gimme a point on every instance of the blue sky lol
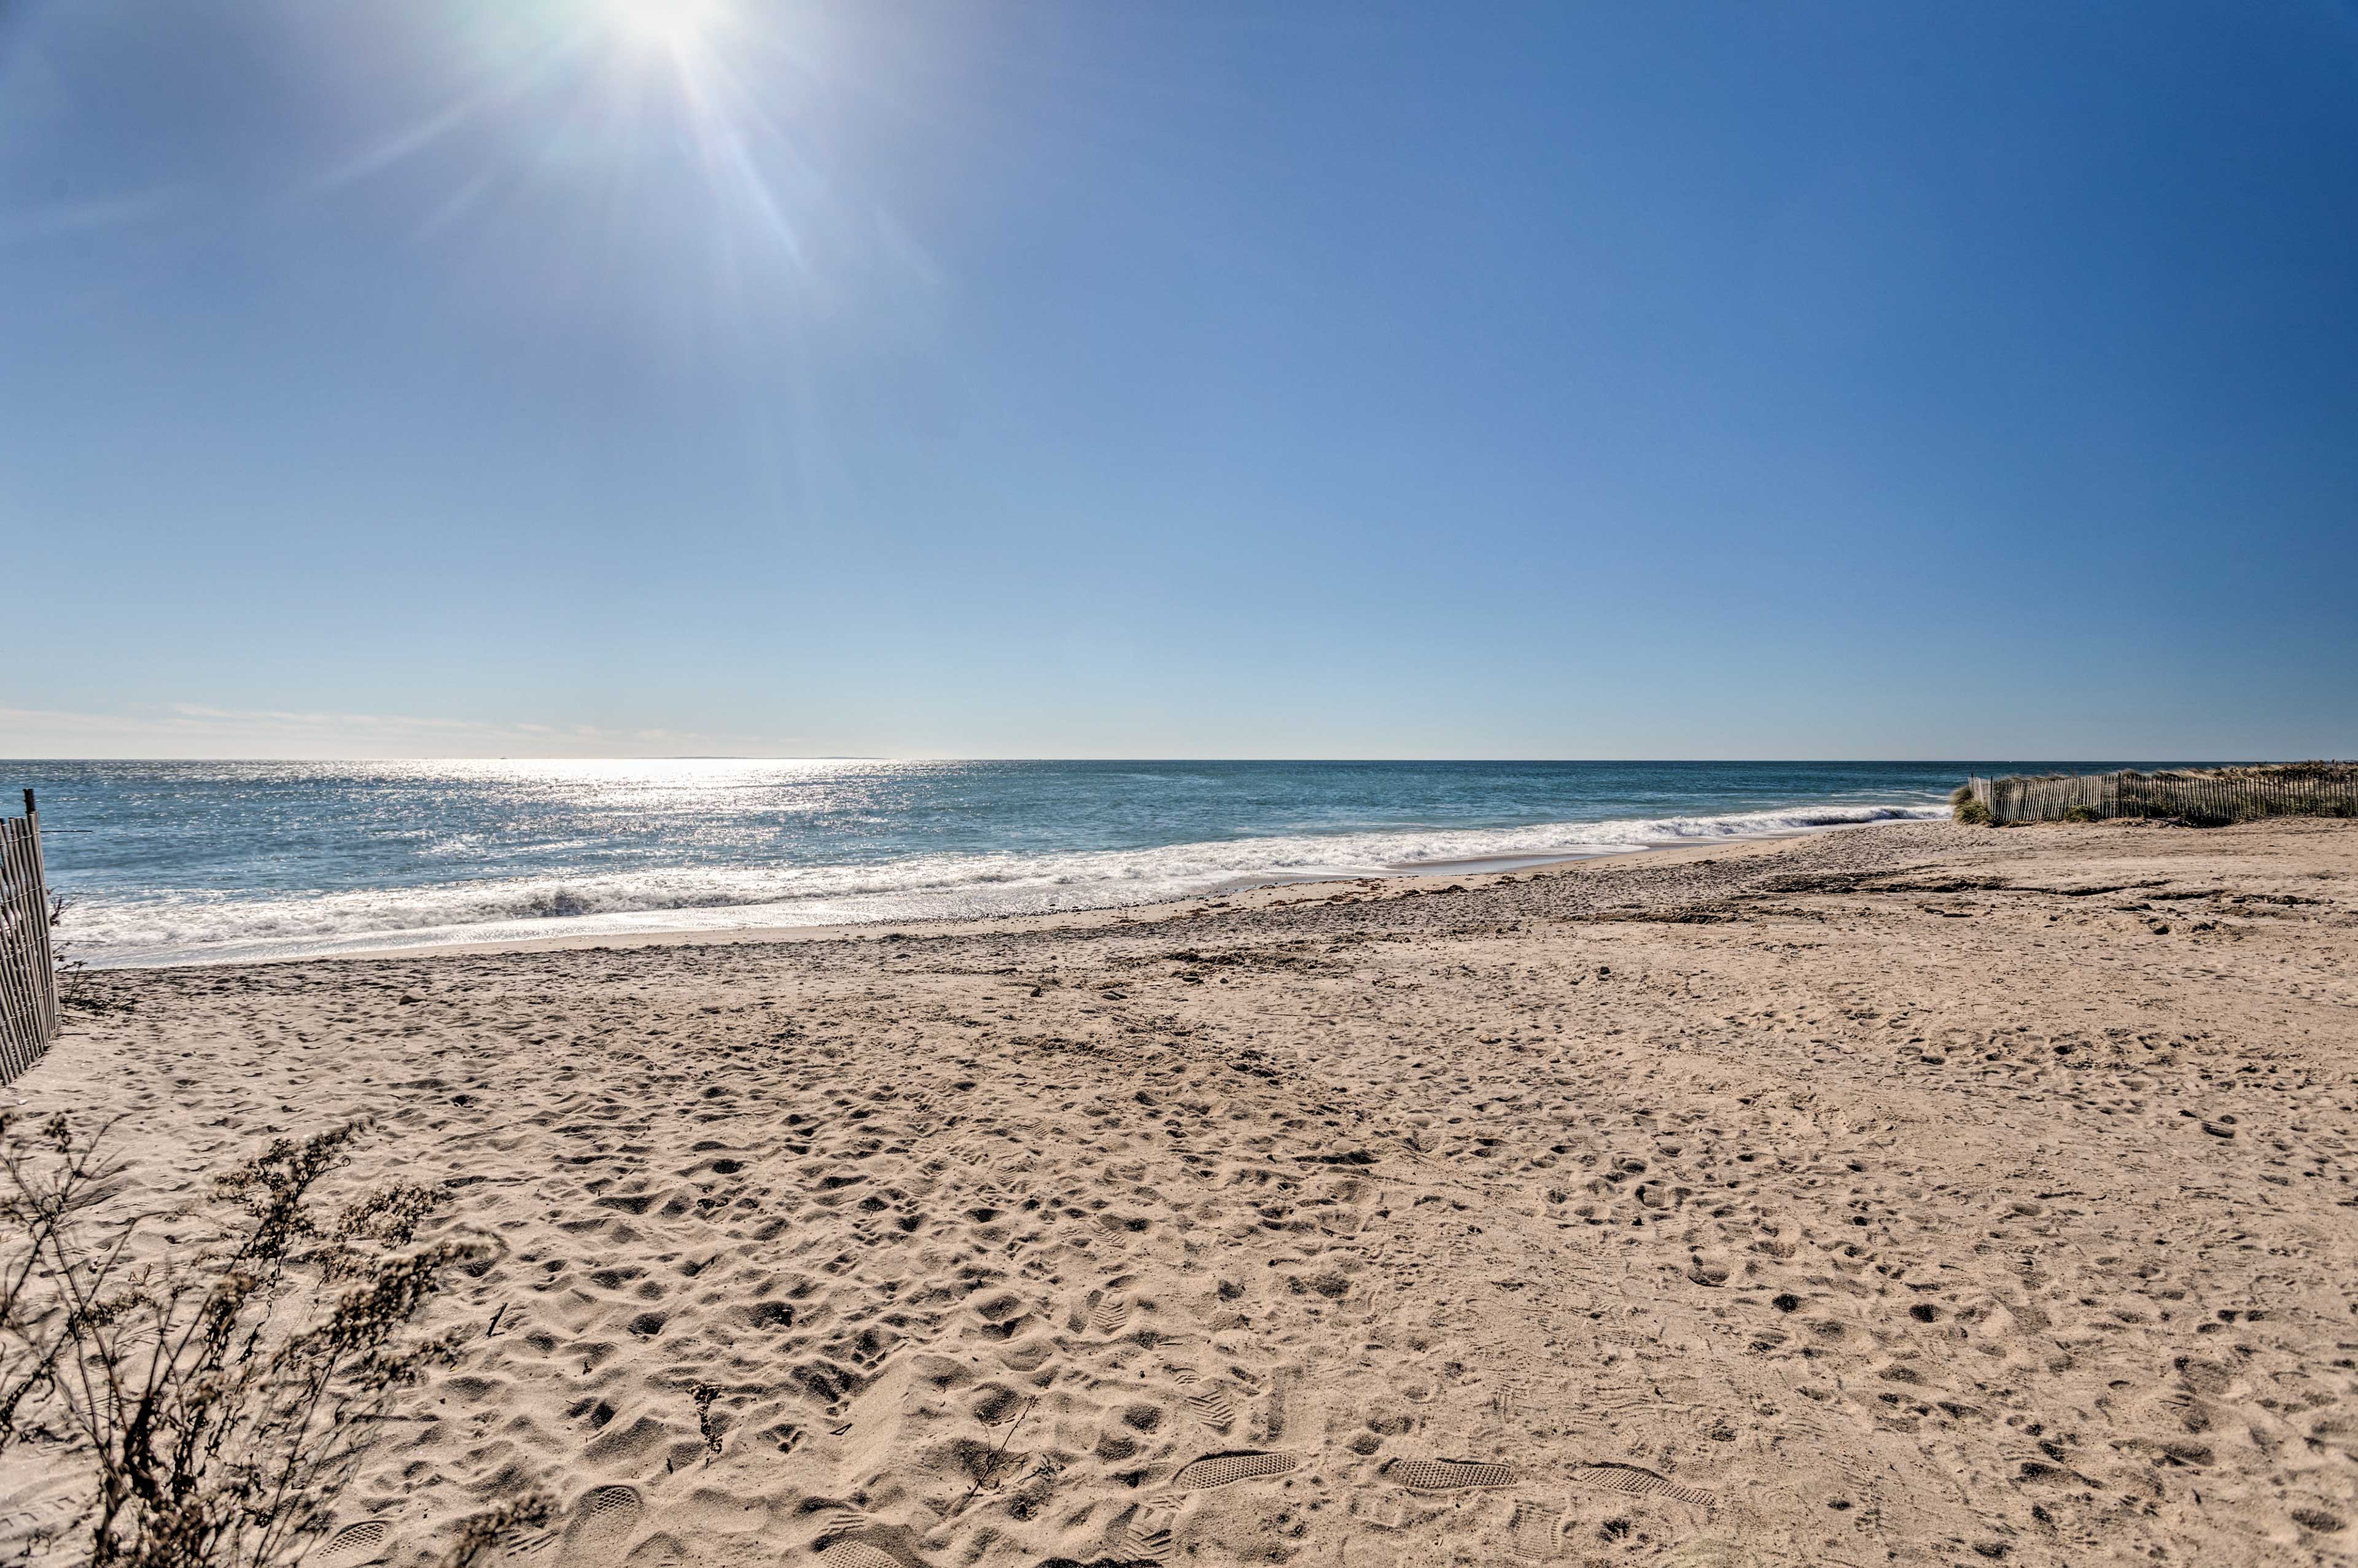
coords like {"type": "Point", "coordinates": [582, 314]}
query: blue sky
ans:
{"type": "Point", "coordinates": [411, 377]}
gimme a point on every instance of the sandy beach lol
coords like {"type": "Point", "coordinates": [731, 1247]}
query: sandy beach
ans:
{"type": "Point", "coordinates": [1905, 1194]}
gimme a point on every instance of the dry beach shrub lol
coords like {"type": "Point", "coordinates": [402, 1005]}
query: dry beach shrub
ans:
{"type": "Point", "coordinates": [223, 1396]}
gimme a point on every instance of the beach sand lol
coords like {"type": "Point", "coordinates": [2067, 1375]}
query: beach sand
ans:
{"type": "Point", "coordinates": [1909, 1193]}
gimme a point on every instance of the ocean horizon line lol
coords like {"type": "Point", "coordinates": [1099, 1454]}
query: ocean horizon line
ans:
{"type": "Point", "coordinates": [1438, 761]}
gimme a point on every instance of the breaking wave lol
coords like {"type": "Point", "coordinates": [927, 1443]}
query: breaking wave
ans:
{"type": "Point", "coordinates": [185, 927]}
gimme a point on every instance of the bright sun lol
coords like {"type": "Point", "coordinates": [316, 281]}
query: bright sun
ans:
{"type": "Point", "coordinates": [675, 25]}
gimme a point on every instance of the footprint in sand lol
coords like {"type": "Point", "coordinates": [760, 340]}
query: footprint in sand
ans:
{"type": "Point", "coordinates": [836, 1520]}
{"type": "Point", "coordinates": [1536, 1531]}
{"type": "Point", "coordinates": [603, 1524]}
{"type": "Point", "coordinates": [1709, 1269]}
{"type": "Point", "coordinates": [1224, 1469]}
{"type": "Point", "coordinates": [1281, 1411]}
{"type": "Point", "coordinates": [1145, 1535]}
{"type": "Point", "coordinates": [996, 1404]}
{"type": "Point", "coordinates": [1108, 1314]}
{"type": "Point", "coordinates": [1212, 1406]}
{"type": "Point", "coordinates": [858, 1554]}
{"type": "Point", "coordinates": [355, 1544]}
{"type": "Point", "coordinates": [1209, 1401]}
{"type": "Point", "coordinates": [1639, 1483]}
{"type": "Point", "coordinates": [1447, 1474]}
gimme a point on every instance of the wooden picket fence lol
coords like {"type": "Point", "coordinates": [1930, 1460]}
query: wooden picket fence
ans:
{"type": "Point", "coordinates": [28, 970]}
{"type": "Point", "coordinates": [2209, 798]}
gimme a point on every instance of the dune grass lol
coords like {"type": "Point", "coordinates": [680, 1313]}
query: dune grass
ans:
{"type": "Point", "coordinates": [221, 1391]}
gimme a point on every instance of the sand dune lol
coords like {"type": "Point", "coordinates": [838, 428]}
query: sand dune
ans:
{"type": "Point", "coordinates": [1912, 1194]}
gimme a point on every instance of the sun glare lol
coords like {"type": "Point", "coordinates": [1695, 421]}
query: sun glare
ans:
{"type": "Point", "coordinates": [678, 25]}
{"type": "Point", "coordinates": [643, 107]}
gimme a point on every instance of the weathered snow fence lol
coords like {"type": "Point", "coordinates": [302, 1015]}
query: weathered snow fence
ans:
{"type": "Point", "coordinates": [2209, 796]}
{"type": "Point", "coordinates": [28, 970]}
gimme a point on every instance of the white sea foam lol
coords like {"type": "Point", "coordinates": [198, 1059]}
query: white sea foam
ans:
{"type": "Point", "coordinates": [202, 928]}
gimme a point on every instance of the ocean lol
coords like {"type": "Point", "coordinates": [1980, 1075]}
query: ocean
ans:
{"type": "Point", "coordinates": [179, 861]}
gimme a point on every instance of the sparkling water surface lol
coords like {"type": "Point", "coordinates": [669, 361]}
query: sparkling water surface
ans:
{"type": "Point", "coordinates": [171, 862]}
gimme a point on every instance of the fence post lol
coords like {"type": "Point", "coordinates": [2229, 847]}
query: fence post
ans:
{"type": "Point", "coordinates": [29, 1018]}
{"type": "Point", "coordinates": [49, 958]}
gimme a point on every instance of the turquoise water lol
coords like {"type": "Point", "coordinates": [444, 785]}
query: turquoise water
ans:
{"type": "Point", "coordinates": [182, 861]}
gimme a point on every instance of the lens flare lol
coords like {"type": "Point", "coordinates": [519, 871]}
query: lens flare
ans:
{"type": "Point", "coordinates": [665, 167]}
